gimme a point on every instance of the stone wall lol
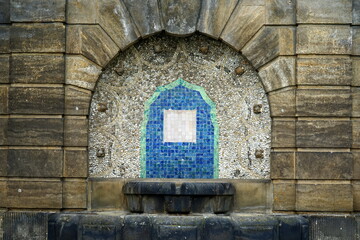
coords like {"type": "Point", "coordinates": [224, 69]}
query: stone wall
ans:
{"type": "Point", "coordinates": [306, 52]}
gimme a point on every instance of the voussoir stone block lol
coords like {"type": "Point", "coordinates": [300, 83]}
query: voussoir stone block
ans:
{"type": "Point", "coordinates": [180, 16]}
{"type": "Point", "coordinates": [282, 102]}
{"type": "Point", "coordinates": [244, 22]}
{"type": "Point", "coordinates": [31, 68]}
{"type": "Point", "coordinates": [81, 72]}
{"type": "Point", "coordinates": [282, 165]}
{"type": "Point", "coordinates": [356, 41]}
{"type": "Point", "coordinates": [146, 16]}
{"type": "Point", "coordinates": [77, 101]}
{"type": "Point", "coordinates": [284, 195]}
{"type": "Point", "coordinates": [5, 11]}
{"type": "Point", "coordinates": [283, 133]}
{"type": "Point", "coordinates": [4, 99]}
{"type": "Point", "coordinates": [92, 42]}
{"type": "Point", "coordinates": [323, 102]}
{"type": "Point", "coordinates": [279, 73]}
{"type": "Point", "coordinates": [4, 68]}
{"type": "Point", "coordinates": [324, 11]}
{"type": "Point", "coordinates": [324, 70]}
{"type": "Point", "coordinates": [324, 165]}
{"type": "Point", "coordinates": [280, 12]}
{"type": "Point", "coordinates": [323, 133]}
{"type": "Point", "coordinates": [35, 131]}
{"type": "Point", "coordinates": [324, 39]}
{"type": "Point", "coordinates": [36, 100]}
{"type": "Point", "coordinates": [37, 37]}
{"type": "Point", "coordinates": [4, 39]}
{"type": "Point", "coordinates": [214, 15]}
{"type": "Point", "coordinates": [76, 131]}
{"type": "Point", "coordinates": [74, 194]}
{"type": "Point", "coordinates": [37, 10]}
{"type": "Point", "coordinates": [319, 196]}
{"type": "Point", "coordinates": [82, 11]}
{"type": "Point", "coordinates": [116, 21]}
{"type": "Point", "coordinates": [75, 162]}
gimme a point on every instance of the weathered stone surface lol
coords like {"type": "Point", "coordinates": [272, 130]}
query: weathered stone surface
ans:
{"type": "Point", "coordinates": [75, 162]}
{"type": "Point", "coordinates": [116, 21]}
{"type": "Point", "coordinates": [34, 163]}
{"type": "Point", "coordinates": [323, 11]}
{"type": "Point", "coordinates": [214, 15]}
{"type": "Point", "coordinates": [36, 100]}
{"type": "Point", "coordinates": [355, 102]}
{"type": "Point", "coordinates": [244, 22]}
{"type": "Point", "coordinates": [324, 70]}
{"type": "Point", "coordinates": [283, 133]}
{"type": "Point", "coordinates": [324, 165]}
{"type": "Point", "coordinates": [37, 37]}
{"type": "Point", "coordinates": [284, 195]}
{"type": "Point", "coordinates": [92, 42]}
{"type": "Point", "coordinates": [356, 13]}
{"type": "Point", "coordinates": [3, 162]}
{"type": "Point", "coordinates": [280, 12]}
{"type": "Point", "coordinates": [4, 68]}
{"type": "Point", "coordinates": [37, 10]}
{"type": "Point", "coordinates": [81, 72]}
{"type": "Point", "coordinates": [74, 194]}
{"type": "Point", "coordinates": [33, 194]}
{"type": "Point", "coordinates": [356, 133]}
{"type": "Point", "coordinates": [269, 43]}
{"type": "Point", "coordinates": [323, 39]}
{"type": "Point", "coordinates": [27, 68]}
{"type": "Point", "coordinates": [82, 11]}
{"type": "Point", "coordinates": [4, 99]}
{"type": "Point", "coordinates": [332, 226]}
{"type": "Point", "coordinates": [323, 102]}
{"type": "Point", "coordinates": [3, 130]}
{"type": "Point", "coordinates": [77, 101]}
{"type": "Point", "coordinates": [76, 132]}
{"type": "Point", "coordinates": [282, 103]}
{"type": "Point", "coordinates": [323, 133]}
{"type": "Point", "coordinates": [356, 40]}
{"type": "Point", "coordinates": [4, 38]}
{"type": "Point", "coordinates": [319, 196]}
{"type": "Point", "coordinates": [356, 71]}
{"type": "Point", "coordinates": [5, 11]}
{"type": "Point", "coordinates": [282, 165]}
{"type": "Point", "coordinates": [180, 16]}
{"type": "Point", "coordinates": [356, 193]}
{"type": "Point", "coordinates": [3, 193]}
{"type": "Point", "coordinates": [146, 16]}
{"type": "Point", "coordinates": [356, 160]}
{"type": "Point", "coordinates": [35, 131]}
{"type": "Point", "coordinates": [100, 197]}
{"type": "Point", "coordinates": [279, 73]}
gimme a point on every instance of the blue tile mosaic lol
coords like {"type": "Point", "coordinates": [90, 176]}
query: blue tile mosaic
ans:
{"type": "Point", "coordinates": [179, 159]}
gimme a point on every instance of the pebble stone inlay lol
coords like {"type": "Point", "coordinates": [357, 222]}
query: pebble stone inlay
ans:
{"type": "Point", "coordinates": [118, 129]}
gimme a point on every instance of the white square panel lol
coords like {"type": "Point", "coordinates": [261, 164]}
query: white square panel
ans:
{"type": "Point", "coordinates": [179, 125]}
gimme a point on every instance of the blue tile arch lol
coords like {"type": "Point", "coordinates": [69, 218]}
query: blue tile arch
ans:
{"type": "Point", "coordinates": [161, 159]}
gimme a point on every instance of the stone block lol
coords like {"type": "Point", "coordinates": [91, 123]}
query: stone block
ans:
{"type": "Point", "coordinates": [4, 68]}
{"type": "Point", "coordinates": [5, 11]}
{"type": "Point", "coordinates": [333, 227]}
{"type": "Point", "coordinates": [92, 42]}
{"type": "Point", "coordinates": [324, 165]}
{"type": "Point", "coordinates": [82, 11]}
{"type": "Point", "coordinates": [146, 16]}
{"type": "Point", "coordinates": [282, 103]}
{"type": "Point", "coordinates": [37, 10]}
{"type": "Point", "coordinates": [4, 99]}
{"type": "Point", "coordinates": [34, 194]}
{"type": "Point", "coordinates": [356, 13]}
{"type": "Point", "coordinates": [355, 102]}
{"type": "Point", "coordinates": [35, 131]}
{"type": "Point", "coordinates": [356, 193]}
{"type": "Point", "coordinates": [283, 133]}
{"type": "Point", "coordinates": [77, 101]}
{"type": "Point", "coordinates": [356, 71]}
{"type": "Point", "coordinates": [356, 133]}
{"type": "Point", "coordinates": [4, 39]}
{"type": "Point", "coordinates": [76, 132]}
{"type": "Point", "coordinates": [180, 16]}
{"type": "Point", "coordinates": [324, 11]}
{"type": "Point", "coordinates": [37, 37]}
{"type": "Point", "coordinates": [269, 43]}
{"type": "Point", "coordinates": [356, 161]}
{"type": "Point", "coordinates": [36, 100]}
{"type": "Point", "coordinates": [324, 39]}
{"type": "Point", "coordinates": [135, 228]}
{"type": "Point", "coordinates": [214, 15]}
{"type": "Point", "coordinates": [280, 12]}
{"type": "Point", "coordinates": [324, 70]}
{"type": "Point", "coordinates": [3, 162]}
{"type": "Point", "coordinates": [323, 133]}
{"type": "Point", "coordinates": [279, 73]}
{"type": "Point", "coordinates": [30, 68]}
{"type": "Point", "coordinates": [284, 195]}
{"type": "Point", "coordinates": [107, 194]}
{"type": "Point", "coordinates": [324, 102]}
{"type": "Point", "coordinates": [356, 40]}
{"type": "Point", "coordinates": [282, 165]}
{"type": "Point", "coordinates": [115, 19]}
{"type": "Point", "coordinates": [34, 163]}
{"type": "Point", "coordinates": [245, 21]}
{"type": "Point", "coordinates": [81, 72]}
{"type": "Point", "coordinates": [3, 130]}
{"type": "Point", "coordinates": [324, 197]}
{"type": "Point", "coordinates": [75, 162]}
{"type": "Point", "coordinates": [74, 194]}
{"type": "Point", "coordinates": [3, 202]}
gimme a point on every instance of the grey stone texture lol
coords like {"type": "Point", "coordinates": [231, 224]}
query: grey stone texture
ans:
{"type": "Point", "coordinates": [356, 41]}
{"type": "Point", "coordinates": [4, 99]}
{"type": "Point", "coordinates": [356, 71]}
{"type": "Point", "coordinates": [4, 39]}
{"type": "Point", "coordinates": [37, 10]}
{"type": "Point", "coordinates": [355, 101]}
{"type": "Point", "coordinates": [356, 133]}
{"type": "Point", "coordinates": [280, 12]}
{"type": "Point", "coordinates": [356, 12]}
{"type": "Point", "coordinates": [4, 68]}
{"type": "Point", "coordinates": [5, 11]}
